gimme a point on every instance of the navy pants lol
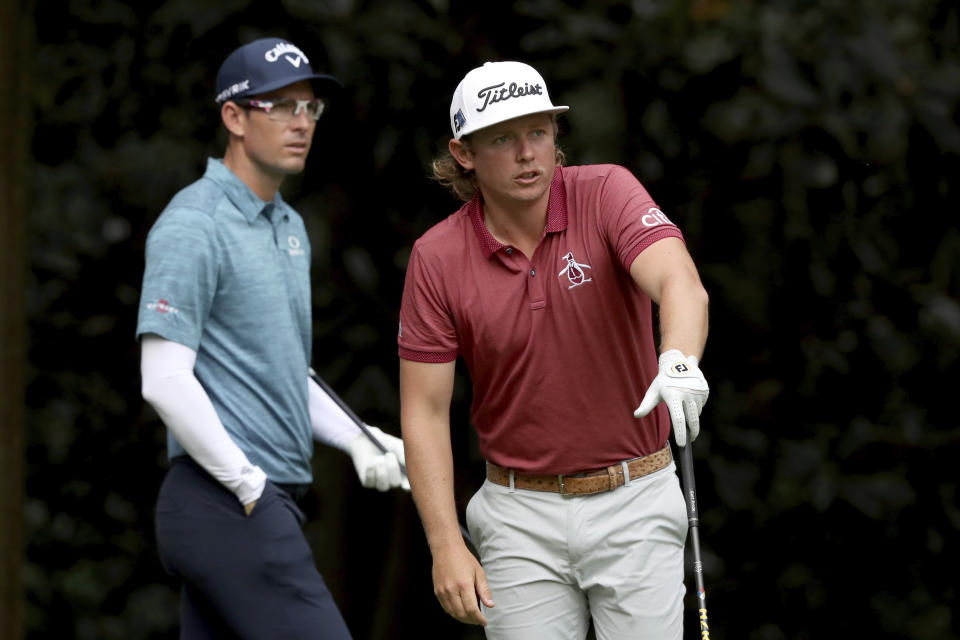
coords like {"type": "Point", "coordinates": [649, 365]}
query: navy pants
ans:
{"type": "Point", "coordinates": [243, 576]}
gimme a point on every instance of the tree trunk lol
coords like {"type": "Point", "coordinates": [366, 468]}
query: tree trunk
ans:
{"type": "Point", "coordinates": [15, 58]}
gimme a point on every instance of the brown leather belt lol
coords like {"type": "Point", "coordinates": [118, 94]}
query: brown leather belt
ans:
{"type": "Point", "coordinates": [585, 482]}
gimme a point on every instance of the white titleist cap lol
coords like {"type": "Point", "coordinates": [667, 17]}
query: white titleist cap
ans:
{"type": "Point", "coordinates": [495, 92]}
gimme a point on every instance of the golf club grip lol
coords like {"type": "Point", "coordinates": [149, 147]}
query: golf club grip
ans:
{"type": "Point", "coordinates": [693, 517]}
{"type": "Point", "coordinates": [352, 415]}
{"type": "Point", "coordinates": [689, 485]}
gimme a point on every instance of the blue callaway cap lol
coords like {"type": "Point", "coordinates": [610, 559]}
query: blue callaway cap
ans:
{"type": "Point", "coordinates": [264, 65]}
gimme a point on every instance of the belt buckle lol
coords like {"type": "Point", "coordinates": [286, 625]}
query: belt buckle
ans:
{"type": "Point", "coordinates": [563, 486]}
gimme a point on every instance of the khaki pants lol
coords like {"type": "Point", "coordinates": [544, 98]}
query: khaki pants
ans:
{"type": "Point", "coordinates": [552, 562]}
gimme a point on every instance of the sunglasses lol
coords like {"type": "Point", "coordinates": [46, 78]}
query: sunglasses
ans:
{"type": "Point", "coordinates": [286, 108]}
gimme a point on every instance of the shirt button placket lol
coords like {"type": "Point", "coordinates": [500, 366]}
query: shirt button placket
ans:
{"type": "Point", "coordinates": [535, 291]}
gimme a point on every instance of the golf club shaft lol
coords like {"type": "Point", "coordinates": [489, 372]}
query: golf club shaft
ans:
{"type": "Point", "coordinates": [379, 445]}
{"type": "Point", "coordinates": [693, 517]}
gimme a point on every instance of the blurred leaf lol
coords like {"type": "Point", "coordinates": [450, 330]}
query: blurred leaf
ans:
{"type": "Point", "coordinates": [880, 496]}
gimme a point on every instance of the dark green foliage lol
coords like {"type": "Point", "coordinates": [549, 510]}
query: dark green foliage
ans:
{"type": "Point", "coordinates": [809, 151]}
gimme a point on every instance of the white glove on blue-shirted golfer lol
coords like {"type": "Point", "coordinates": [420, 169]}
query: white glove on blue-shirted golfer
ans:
{"type": "Point", "coordinates": [374, 468]}
{"type": "Point", "coordinates": [682, 386]}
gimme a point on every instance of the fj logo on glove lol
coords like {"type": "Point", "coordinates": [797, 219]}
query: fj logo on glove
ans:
{"type": "Point", "coordinates": [575, 271]}
{"type": "Point", "coordinates": [680, 367]}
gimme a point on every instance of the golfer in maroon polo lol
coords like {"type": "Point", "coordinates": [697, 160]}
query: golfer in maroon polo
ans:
{"type": "Point", "coordinates": [543, 281]}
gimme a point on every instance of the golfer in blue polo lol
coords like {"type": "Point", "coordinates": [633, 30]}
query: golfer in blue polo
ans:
{"type": "Point", "coordinates": [225, 330]}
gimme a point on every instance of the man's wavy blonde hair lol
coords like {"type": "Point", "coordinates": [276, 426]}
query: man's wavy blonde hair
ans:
{"type": "Point", "coordinates": [463, 183]}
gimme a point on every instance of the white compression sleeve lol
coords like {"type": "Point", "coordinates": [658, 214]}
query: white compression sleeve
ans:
{"type": "Point", "coordinates": [172, 389]}
{"type": "Point", "coordinates": [331, 425]}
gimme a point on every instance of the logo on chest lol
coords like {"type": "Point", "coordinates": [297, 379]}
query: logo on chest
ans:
{"type": "Point", "coordinates": [574, 271]}
{"type": "Point", "coordinates": [294, 243]}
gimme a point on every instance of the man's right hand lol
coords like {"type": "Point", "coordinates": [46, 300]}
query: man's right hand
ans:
{"type": "Point", "coordinates": [458, 581]}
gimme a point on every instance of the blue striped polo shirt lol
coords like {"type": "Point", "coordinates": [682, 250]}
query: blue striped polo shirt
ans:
{"type": "Point", "coordinates": [228, 275]}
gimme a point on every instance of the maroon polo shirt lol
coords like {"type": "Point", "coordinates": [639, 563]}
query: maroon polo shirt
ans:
{"type": "Point", "coordinates": [560, 348]}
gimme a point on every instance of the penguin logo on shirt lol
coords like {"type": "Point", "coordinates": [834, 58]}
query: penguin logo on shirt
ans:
{"type": "Point", "coordinates": [575, 271]}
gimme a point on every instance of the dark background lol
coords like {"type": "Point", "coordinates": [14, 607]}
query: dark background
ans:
{"type": "Point", "coordinates": [808, 150]}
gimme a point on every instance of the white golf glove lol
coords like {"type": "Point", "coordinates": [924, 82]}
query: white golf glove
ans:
{"type": "Point", "coordinates": [682, 386]}
{"type": "Point", "coordinates": [374, 468]}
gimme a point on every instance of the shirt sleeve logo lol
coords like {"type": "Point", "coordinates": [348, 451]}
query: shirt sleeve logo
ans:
{"type": "Point", "coordinates": [654, 217]}
{"type": "Point", "coordinates": [162, 306]}
{"type": "Point", "coordinates": [575, 271]}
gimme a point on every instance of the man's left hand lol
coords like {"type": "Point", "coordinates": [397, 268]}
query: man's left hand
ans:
{"type": "Point", "coordinates": [682, 386]}
{"type": "Point", "coordinates": [377, 469]}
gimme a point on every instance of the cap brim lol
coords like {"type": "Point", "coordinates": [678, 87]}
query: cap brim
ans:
{"type": "Point", "coordinates": [556, 110]}
{"type": "Point", "coordinates": [323, 85]}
